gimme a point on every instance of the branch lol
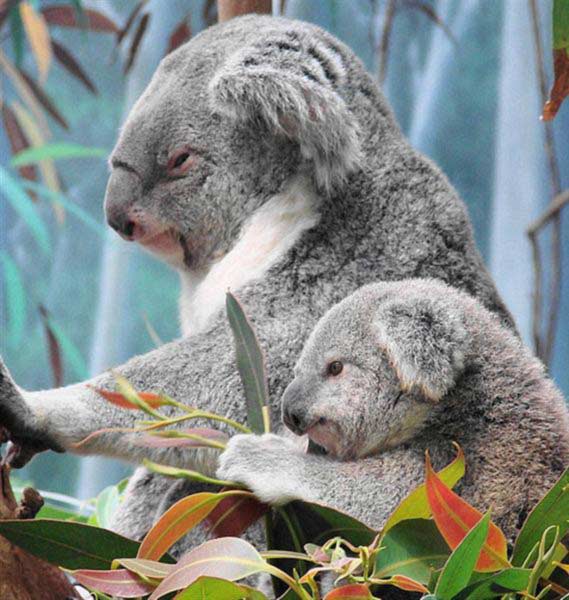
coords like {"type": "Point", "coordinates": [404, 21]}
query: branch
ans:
{"type": "Point", "coordinates": [552, 211]}
{"type": "Point", "coordinates": [544, 350]}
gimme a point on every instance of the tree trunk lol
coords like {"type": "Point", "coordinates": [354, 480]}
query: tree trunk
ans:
{"type": "Point", "coordinates": [227, 9]}
{"type": "Point", "coordinates": [23, 576]}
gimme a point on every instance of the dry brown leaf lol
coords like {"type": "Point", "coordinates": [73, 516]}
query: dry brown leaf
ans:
{"type": "Point", "coordinates": [66, 16]}
{"type": "Point", "coordinates": [182, 33]}
{"type": "Point", "coordinates": [18, 141]}
{"type": "Point", "coordinates": [53, 349]}
{"type": "Point", "coordinates": [133, 50]}
{"type": "Point", "coordinates": [68, 61]}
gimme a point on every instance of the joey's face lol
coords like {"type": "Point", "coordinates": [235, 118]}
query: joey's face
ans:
{"type": "Point", "coordinates": [346, 397]}
{"type": "Point", "coordinates": [183, 178]}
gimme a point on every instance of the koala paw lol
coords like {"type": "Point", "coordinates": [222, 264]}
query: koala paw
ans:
{"type": "Point", "coordinates": [18, 425]}
{"type": "Point", "coordinates": [269, 465]}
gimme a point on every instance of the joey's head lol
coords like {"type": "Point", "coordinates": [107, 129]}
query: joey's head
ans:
{"type": "Point", "coordinates": [228, 121]}
{"type": "Point", "coordinates": [377, 367]}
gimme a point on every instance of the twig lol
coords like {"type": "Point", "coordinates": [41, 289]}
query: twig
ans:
{"type": "Point", "coordinates": [552, 211]}
{"type": "Point", "coordinates": [545, 349]}
{"type": "Point", "coordinates": [385, 35]}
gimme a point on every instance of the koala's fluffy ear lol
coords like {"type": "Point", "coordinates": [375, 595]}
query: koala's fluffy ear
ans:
{"type": "Point", "coordinates": [426, 343]}
{"type": "Point", "coordinates": [292, 89]}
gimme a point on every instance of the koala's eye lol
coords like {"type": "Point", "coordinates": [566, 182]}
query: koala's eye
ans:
{"type": "Point", "coordinates": [335, 368]}
{"type": "Point", "coordinates": [179, 163]}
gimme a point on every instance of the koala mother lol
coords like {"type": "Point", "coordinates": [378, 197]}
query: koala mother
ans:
{"type": "Point", "coordinates": [261, 158]}
{"type": "Point", "coordinates": [395, 369]}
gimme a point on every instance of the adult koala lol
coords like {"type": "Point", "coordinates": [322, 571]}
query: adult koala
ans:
{"type": "Point", "coordinates": [395, 369]}
{"type": "Point", "coordinates": [261, 158]}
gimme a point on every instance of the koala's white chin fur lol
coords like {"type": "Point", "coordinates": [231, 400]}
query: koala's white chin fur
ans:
{"type": "Point", "coordinates": [265, 238]}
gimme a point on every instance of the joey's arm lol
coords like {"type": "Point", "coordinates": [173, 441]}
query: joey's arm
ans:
{"type": "Point", "coordinates": [278, 471]}
{"type": "Point", "coordinates": [199, 371]}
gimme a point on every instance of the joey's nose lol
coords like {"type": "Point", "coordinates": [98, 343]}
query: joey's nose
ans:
{"type": "Point", "coordinates": [295, 409]}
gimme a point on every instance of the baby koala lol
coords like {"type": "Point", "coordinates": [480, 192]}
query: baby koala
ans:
{"type": "Point", "coordinates": [393, 370]}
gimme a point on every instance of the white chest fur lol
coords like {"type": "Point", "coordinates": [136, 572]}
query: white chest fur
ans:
{"type": "Point", "coordinates": [265, 238]}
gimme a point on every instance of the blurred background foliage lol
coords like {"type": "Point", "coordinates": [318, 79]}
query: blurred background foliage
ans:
{"type": "Point", "coordinates": [75, 299]}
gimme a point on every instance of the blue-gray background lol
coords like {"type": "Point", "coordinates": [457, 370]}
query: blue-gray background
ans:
{"type": "Point", "coordinates": [471, 105]}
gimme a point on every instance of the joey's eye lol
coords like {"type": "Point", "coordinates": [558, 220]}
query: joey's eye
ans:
{"type": "Point", "coordinates": [335, 368]}
{"type": "Point", "coordinates": [179, 163]}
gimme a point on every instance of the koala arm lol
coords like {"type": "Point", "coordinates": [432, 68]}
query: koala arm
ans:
{"type": "Point", "coordinates": [277, 471]}
{"type": "Point", "coordinates": [61, 417]}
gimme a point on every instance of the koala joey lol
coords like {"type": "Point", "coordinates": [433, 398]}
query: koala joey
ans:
{"type": "Point", "coordinates": [398, 368]}
{"type": "Point", "coordinates": [261, 158]}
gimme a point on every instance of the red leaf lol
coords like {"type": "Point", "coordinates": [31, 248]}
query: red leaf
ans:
{"type": "Point", "coordinates": [354, 591]}
{"type": "Point", "coordinates": [43, 99]}
{"type": "Point", "coordinates": [181, 34]}
{"type": "Point", "coordinates": [133, 50]}
{"type": "Point", "coordinates": [18, 140]}
{"type": "Point", "coordinates": [455, 518]}
{"type": "Point", "coordinates": [162, 439]}
{"type": "Point", "coordinates": [234, 515]}
{"type": "Point", "coordinates": [66, 16]}
{"type": "Point", "coordinates": [560, 89]}
{"type": "Point", "coordinates": [116, 398]}
{"type": "Point", "coordinates": [53, 349]}
{"type": "Point", "coordinates": [118, 582]}
{"type": "Point", "coordinates": [69, 62]}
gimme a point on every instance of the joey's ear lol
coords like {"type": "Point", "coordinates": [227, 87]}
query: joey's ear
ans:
{"type": "Point", "coordinates": [426, 343]}
{"type": "Point", "coordinates": [292, 89]}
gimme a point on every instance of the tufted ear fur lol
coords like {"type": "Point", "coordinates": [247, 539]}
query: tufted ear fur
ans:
{"type": "Point", "coordinates": [426, 343]}
{"type": "Point", "coordinates": [291, 86]}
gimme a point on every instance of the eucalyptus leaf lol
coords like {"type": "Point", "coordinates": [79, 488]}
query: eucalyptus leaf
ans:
{"type": "Point", "coordinates": [509, 580]}
{"type": "Point", "coordinates": [414, 548]}
{"type": "Point", "coordinates": [68, 544]}
{"type": "Point", "coordinates": [460, 564]}
{"type": "Point", "coordinates": [553, 509]}
{"type": "Point", "coordinates": [211, 588]}
{"type": "Point", "coordinates": [23, 205]}
{"type": "Point", "coordinates": [71, 353]}
{"type": "Point", "coordinates": [250, 363]}
{"type": "Point", "coordinates": [35, 154]}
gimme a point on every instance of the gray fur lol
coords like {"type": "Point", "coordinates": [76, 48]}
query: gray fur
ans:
{"type": "Point", "coordinates": [379, 415]}
{"type": "Point", "coordinates": [263, 105]}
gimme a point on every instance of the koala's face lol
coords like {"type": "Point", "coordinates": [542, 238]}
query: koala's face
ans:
{"type": "Point", "coordinates": [183, 177]}
{"type": "Point", "coordinates": [346, 396]}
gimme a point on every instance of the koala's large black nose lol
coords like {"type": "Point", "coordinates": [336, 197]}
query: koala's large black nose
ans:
{"type": "Point", "coordinates": [295, 409]}
{"type": "Point", "coordinates": [122, 224]}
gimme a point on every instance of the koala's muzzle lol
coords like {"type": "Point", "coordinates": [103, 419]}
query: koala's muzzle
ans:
{"type": "Point", "coordinates": [122, 192]}
{"type": "Point", "coordinates": [295, 413]}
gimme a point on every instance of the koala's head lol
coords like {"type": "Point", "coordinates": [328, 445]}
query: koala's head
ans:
{"type": "Point", "coordinates": [228, 121]}
{"type": "Point", "coordinates": [377, 366]}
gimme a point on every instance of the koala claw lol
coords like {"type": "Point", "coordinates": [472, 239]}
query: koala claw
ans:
{"type": "Point", "coordinates": [18, 425]}
{"type": "Point", "coordinates": [266, 464]}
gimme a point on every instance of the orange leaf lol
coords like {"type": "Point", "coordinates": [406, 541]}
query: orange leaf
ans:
{"type": "Point", "coordinates": [38, 37]}
{"type": "Point", "coordinates": [455, 518]}
{"type": "Point", "coordinates": [116, 398]}
{"type": "Point", "coordinates": [355, 591]}
{"type": "Point", "coordinates": [560, 89]}
{"type": "Point", "coordinates": [179, 519]}
{"type": "Point", "coordinates": [407, 584]}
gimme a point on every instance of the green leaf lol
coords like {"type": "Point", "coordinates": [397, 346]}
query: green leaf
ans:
{"type": "Point", "coordinates": [509, 580]}
{"type": "Point", "coordinates": [71, 207]}
{"type": "Point", "coordinates": [67, 544]}
{"type": "Point", "coordinates": [553, 509]}
{"type": "Point", "coordinates": [211, 588]}
{"type": "Point", "coordinates": [416, 505]}
{"type": "Point", "coordinates": [560, 24]}
{"type": "Point", "coordinates": [23, 205]}
{"type": "Point", "coordinates": [48, 511]}
{"type": "Point", "coordinates": [17, 34]}
{"type": "Point", "coordinates": [36, 154]}
{"type": "Point", "coordinates": [106, 506]}
{"type": "Point", "coordinates": [414, 548]}
{"type": "Point", "coordinates": [71, 353]}
{"type": "Point", "coordinates": [250, 363]}
{"type": "Point", "coordinates": [15, 300]}
{"type": "Point", "coordinates": [460, 564]}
